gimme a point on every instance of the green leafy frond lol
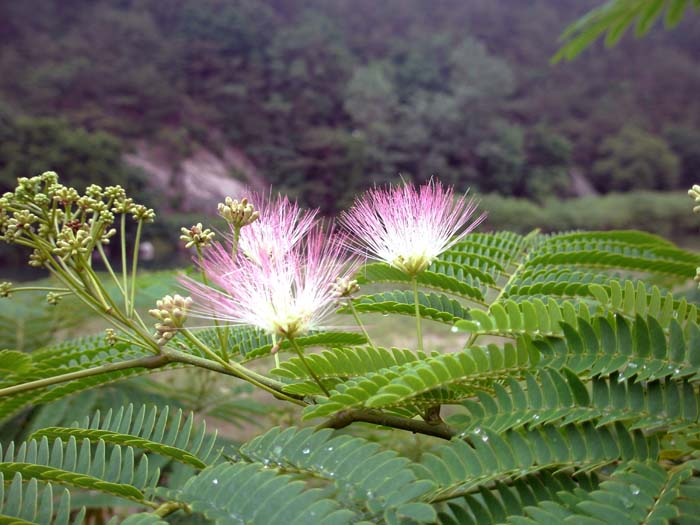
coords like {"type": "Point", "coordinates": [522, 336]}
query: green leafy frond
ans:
{"type": "Point", "coordinates": [482, 263]}
{"type": "Point", "coordinates": [615, 255]}
{"type": "Point", "coordinates": [252, 494]}
{"type": "Point", "coordinates": [346, 362]}
{"type": "Point", "coordinates": [322, 339]}
{"type": "Point", "coordinates": [636, 349]}
{"type": "Point", "coordinates": [551, 397]}
{"type": "Point", "coordinates": [688, 498]}
{"type": "Point", "coordinates": [501, 248]}
{"type": "Point", "coordinates": [460, 467]}
{"type": "Point", "coordinates": [632, 300]}
{"type": "Point", "coordinates": [70, 356]}
{"type": "Point", "coordinates": [508, 243]}
{"type": "Point", "coordinates": [252, 343]}
{"type": "Point", "coordinates": [151, 429]}
{"type": "Point", "coordinates": [613, 18]}
{"type": "Point", "coordinates": [636, 493]}
{"type": "Point", "coordinates": [554, 281]}
{"type": "Point", "coordinates": [631, 237]}
{"type": "Point", "coordinates": [437, 307]}
{"type": "Point", "coordinates": [365, 477]}
{"type": "Point", "coordinates": [143, 518]}
{"type": "Point", "coordinates": [494, 506]}
{"type": "Point", "coordinates": [14, 362]}
{"type": "Point", "coordinates": [452, 278]}
{"type": "Point", "coordinates": [412, 383]}
{"type": "Point", "coordinates": [12, 404]}
{"type": "Point", "coordinates": [28, 504]}
{"type": "Point", "coordinates": [67, 463]}
{"type": "Point", "coordinates": [512, 319]}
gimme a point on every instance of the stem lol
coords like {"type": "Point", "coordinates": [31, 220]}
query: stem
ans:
{"type": "Point", "coordinates": [234, 247]}
{"type": "Point", "coordinates": [39, 289]}
{"type": "Point", "coordinates": [134, 264]}
{"type": "Point", "coordinates": [125, 284]}
{"type": "Point", "coordinates": [233, 368]}
{"type": "Point", "coordinates": [153, 361]}
{"type": "Point", "coordinates": [345, 418]}
{"type": "Point", "coordinates": [419, 330]}
{"type": "Point", "coordinates": [110, 270]}
{"type": "Point", "coordinates": [359, 323]}
{"type": "Point", "coordinates": [299, 352]}
{"type": "Point", "coordinates": [219, 333]}
{"type": "Point", "coordinates": [170, 507]}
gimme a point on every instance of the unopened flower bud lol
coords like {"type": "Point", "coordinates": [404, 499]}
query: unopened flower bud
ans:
{"type": "Point", "coordinates": [52, 298]}
{"type": "Point", "coordinates": [140, 213]}
{"type": "Point", "coordinates": [110, 336]}
{"type": "Point", "coordinates": [345, 287]}
{"type": "Point", "coordinates": [171, 311]}
{"type": "Point", "coordinates": [5, 289]}
{"type": "Point", "coordinates": [197, 236]}
{"type": "Point", "coordinates": [238, 214]}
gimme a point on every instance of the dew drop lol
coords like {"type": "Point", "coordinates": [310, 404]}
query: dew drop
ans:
{"type": "Point", "coordinates": [484, 438]}
{"type": "Point", "coordinates": [627, 503]}
{"type": "Point", "coordinates": [329, 449]}
{"type": "Point", "coordinates": [632, 365]}
{"type": "Point", "coordinates": [215, 482]}
{"type": "Point", "coordinates": [277, 450]}
{"type": "Point", "coordinates": [370, 494]}
{"type": "Point", "coordinates": [635, 490]}
{"type": "Point", "coordinates": [306, 451]}
{"type": "Point", "coordinates": [385, 315]}
{"type": "Point", "coordinates": [677, 371]}
{"type": "Point", "coordinates": [454, 329]}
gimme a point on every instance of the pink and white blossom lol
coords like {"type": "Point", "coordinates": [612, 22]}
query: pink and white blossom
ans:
{"type": "Point", "coordinates": [280, 226]}
{"type": "Point", "coordinates": [408, 227]}
{"type": "Point", "coordinates": [285, 293]}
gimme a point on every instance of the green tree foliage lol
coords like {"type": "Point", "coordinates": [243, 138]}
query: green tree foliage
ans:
{"type": "Point", "coordinates": [634, 159]}
{"type": "Point", "coordinates": [324, 106]}
{"type": "Point", "coordinates": [685, 143]}
{"type": "Point", "coordinates": [30, 145]}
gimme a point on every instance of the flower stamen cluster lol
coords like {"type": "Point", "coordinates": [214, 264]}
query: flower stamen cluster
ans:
{"type": "Point", "coordinates": [409, 227]}
{"type": "Point", "coordinates": [282, 278]}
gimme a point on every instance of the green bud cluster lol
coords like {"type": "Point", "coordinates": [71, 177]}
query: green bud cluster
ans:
{"type": "Point", "coordinates": [171, 311]}
{"type": "Point", "coordinates": [52, 298]}
{"type": "Point", "coordinates": [196, 235]}
{"type": "Point", "coordinates": [5, 289]}
{"type": "Point", "coordinates": [694, 192]}
{"type": "Point", "coordinates": [57, 221]}
{"type": "Point", "coordinates": [238, 214]}
{"type": "Point", "coordinates": [111, 336]}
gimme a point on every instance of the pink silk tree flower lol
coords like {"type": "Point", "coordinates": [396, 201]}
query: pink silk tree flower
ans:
{"type": "Point", "coordinates": [284, 294]}
{"type": "Point", "coordinates": [408, 227]}
{"type": "Point", "coordinates": [281, 225]}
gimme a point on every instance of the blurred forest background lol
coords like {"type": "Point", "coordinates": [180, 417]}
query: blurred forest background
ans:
{"type": "Point", "coordinates": [183, 100]}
